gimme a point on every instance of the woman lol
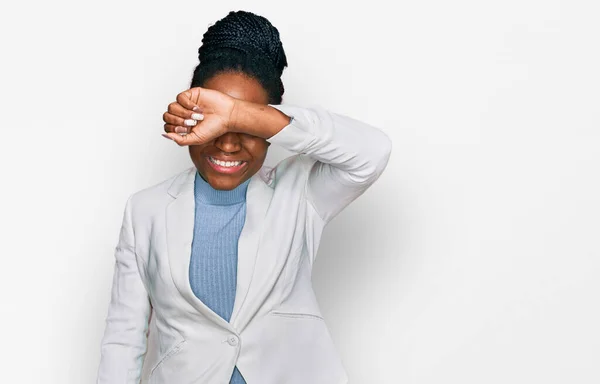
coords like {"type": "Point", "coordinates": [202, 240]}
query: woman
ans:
{"type": "Point", "coordinates": [219, 256]}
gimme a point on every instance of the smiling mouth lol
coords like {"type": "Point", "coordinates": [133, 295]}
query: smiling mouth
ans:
{"type": "Point", "coordinates": [226, 167]}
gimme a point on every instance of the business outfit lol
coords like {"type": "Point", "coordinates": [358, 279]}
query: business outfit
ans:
{"type": "Point", "coordinates": [218, 223]}
{"type": "Point", "coordinates": [276, 333]}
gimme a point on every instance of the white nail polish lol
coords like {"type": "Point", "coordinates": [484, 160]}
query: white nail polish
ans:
{"type": "Point", "coordinates": [197, 116]}
{"type": "Point", "coordinates": [190, 122]}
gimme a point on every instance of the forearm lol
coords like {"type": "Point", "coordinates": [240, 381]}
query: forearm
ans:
{"type": "Point", "coordinates": [350, 155]}
{"type": "Point", "coordinates": [257, 119]}
{"type": "Point", "coordinates": [356, 148]}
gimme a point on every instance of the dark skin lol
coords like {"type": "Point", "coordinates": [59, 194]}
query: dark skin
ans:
{"type": "Point", "coordinates": [217, 135]}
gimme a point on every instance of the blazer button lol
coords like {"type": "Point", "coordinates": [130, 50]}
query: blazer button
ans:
{"type": "Point", "coordinates": [232, 340]}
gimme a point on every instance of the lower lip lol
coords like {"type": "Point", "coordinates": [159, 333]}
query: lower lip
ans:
{"type": "Point", "coordinates": [221, 169]}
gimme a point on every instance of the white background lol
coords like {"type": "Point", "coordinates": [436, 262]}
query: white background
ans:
{"type": "Point", "coordinates": [473, 259]}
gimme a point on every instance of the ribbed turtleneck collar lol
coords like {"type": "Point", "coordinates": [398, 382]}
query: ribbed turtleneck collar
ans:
{"type": "Point", "coordinates": [206, 194]}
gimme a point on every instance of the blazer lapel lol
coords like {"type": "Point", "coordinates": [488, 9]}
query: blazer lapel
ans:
{"type": "Point", "coordinates": [180, 231]}
{"type": "Point", "coordinates": [258, 198]}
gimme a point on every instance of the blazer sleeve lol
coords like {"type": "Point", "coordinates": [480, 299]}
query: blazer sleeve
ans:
{"type": "Point", "coordinates": [350, 155]}
{"type": "Point", "coordinates": [124, 342]}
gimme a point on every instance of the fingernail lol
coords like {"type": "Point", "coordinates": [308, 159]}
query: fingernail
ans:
{"type": "Point", "coordinates": [166, 136]}
{"type": "Point", "coordinates": [196, 108]}
{"type": "Point", "coordinates": [190, 122]}
{"type": "Point", "coordinates": [197, 116]}
{"type": "Point", "coordinates": [181, 130]}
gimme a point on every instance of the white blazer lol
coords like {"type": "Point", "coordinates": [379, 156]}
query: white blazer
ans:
{"type": "Point", "coordinates": [277, 334]}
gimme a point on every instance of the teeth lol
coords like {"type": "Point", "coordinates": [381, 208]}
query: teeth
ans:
{"type": "Point", "coordinates": [225, 163]}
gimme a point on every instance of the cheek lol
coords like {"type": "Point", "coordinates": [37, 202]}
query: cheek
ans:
{"type": "Point", "coordinates": [261, 153]}
{"type": "Point", "coordinates": [196, 149]}
{"type": "Point", "coordinates": [196, 152]}
{"type": "Point", "coordinates": [258, 149]}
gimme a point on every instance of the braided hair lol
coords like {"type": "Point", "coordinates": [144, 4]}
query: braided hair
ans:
{"type": "Point", "coordinates": [243, 42]}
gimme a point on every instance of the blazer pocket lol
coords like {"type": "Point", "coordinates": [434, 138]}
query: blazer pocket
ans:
{"type": "Point", "coordinates": [296, 314]}
{"type": "Point", "coordinates": [173, 350]}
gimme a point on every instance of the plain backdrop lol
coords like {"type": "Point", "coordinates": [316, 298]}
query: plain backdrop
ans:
{"type": "Point", "coordinates": [473, 259]}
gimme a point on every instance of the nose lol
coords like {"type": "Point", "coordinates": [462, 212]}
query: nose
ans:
{"type": "Point", "coordinates": [228, 142]}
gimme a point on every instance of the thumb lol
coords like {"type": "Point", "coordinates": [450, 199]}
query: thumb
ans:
{"type": "Point", "coordinates": [189, 139]}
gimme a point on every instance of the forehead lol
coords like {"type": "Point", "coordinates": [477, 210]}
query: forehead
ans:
{"type": "Point", "coordinates": [239, 86]}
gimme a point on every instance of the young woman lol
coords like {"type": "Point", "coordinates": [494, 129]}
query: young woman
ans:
{"type": "Point", "coordinates": [213, 265]}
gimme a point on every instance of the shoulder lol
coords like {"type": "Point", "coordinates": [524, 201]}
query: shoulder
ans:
{"type": "Point", "coordinates": [294, 168]}
{"type": "Point", "coordinates": [152, 196]}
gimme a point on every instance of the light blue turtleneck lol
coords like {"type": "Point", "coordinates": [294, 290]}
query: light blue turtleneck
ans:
{"type": "Point", "coordinates": [219, 218]}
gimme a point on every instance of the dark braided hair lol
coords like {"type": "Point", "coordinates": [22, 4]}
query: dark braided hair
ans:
{"type": "Point", "coordinates": [243, 42]}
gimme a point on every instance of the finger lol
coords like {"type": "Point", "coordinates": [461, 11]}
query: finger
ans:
{"type": "Point", "coordinates": [176, 120]}
{"type": "Point", "coordinates": [171, 119]}
{"type": "Point", "coordinates": [189, 139]}
{"type": "Point", "coordinates": [177, 129]}
{"type": "Point", "coordinates": [186, 99]}
{"type": "Point", "coordinates": [178, 110]}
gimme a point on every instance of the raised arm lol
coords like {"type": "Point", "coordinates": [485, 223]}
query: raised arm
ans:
{"type": "Point", "coordinates": [124, 342]}
{"type": "Point", "coordinates": [350, 155]}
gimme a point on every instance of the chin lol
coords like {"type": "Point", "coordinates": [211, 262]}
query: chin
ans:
{"type": "Point", "coordinates": [224, 188]}
{"type": "Point", "coordinates": [224, 185]}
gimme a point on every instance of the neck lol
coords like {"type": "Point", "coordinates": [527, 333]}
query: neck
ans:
{"type": "Point", "coordinates": [205, 193]}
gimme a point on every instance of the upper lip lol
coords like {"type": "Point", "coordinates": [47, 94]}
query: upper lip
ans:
{"type": "Point", "coordinates": [225, 159]}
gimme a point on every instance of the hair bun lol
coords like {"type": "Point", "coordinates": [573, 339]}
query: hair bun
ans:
{"type": "Point", "coordinates": [247, 32]}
